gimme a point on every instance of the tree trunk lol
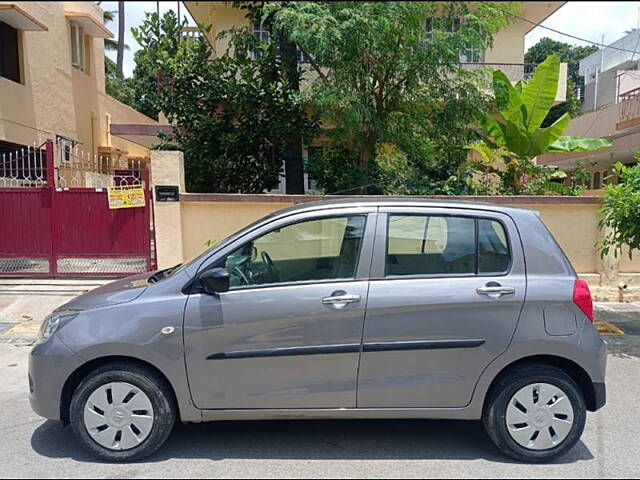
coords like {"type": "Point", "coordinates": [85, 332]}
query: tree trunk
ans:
{"type": "Point", "coordinates": [365, 155]}
{"type": "Point", "coordinates": [293, 161]}
{"type": "Point", "coordinates": [363, 158]}
{"type": "Point", "coordinates": [120, 53]}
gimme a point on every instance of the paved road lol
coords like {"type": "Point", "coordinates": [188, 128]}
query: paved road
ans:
{"type": "Point", "coordinates": [33, 448]}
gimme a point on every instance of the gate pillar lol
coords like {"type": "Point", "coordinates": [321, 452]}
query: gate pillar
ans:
{"type": "Point", "coordinates": [167, 169]}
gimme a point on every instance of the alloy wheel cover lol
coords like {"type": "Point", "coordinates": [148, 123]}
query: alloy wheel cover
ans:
{"type": "Point", "coordinates": [118, 416]}
{"type": "Point", "coordinates": [539, 416]}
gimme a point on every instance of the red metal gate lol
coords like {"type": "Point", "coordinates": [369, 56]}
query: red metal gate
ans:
{"type": "Point", "coordinates": [56, 221]}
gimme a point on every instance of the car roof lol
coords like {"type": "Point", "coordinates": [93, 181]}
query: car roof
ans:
{"type": "Point", "coordinates": [387, 201]}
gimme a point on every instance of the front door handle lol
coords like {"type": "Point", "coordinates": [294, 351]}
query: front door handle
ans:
{"type": "Point", "coordinates": [495, 291]}
{"type": "Point", "coordinates": [340, 299]}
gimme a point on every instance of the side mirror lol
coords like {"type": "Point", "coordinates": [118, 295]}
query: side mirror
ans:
{"type": "Point", "coordinates": [214, 280]}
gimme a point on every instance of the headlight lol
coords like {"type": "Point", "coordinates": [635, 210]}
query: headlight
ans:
{"type": "Point", "coordinates": [51, 324]}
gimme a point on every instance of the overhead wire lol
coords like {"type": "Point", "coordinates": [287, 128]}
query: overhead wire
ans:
{"type": "Point", "coordinates": [559, 32]}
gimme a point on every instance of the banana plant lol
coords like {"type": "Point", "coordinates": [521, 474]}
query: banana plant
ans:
{"type": "Point", "coordinates": [514, 123]}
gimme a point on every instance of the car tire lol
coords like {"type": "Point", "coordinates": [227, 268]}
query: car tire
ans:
{"type": "Point", "coordinates": [145, 420]}
{"type": "Point", "coordinates": [512, 426]}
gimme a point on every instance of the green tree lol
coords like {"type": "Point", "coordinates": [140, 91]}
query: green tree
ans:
{"type": "Point", "coordinates": [110, 45]}
{"type": "Point", "coordinates": [233, 114]}
{"type": "Point", "coordinates": [116, 87]}
{"type": "Point", "coordinates": [514, 135]}
{"type": "Point", "coordinates": [580, 177]}
{"type": "Point", "coordinates": [571, 54]}
{"type": "Point", "coordinates": [120, 46]}
{"type": "Point", "coordinates": [160, 39]}
{"type": "Point", "coordinates": [376, 77]}
{"type": "Point", "coordinates": [293, 161]}
{"type": "Point", "coordinates": [620, 212]}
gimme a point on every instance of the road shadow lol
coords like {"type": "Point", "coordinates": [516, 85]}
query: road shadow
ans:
{"type": "Point", "coordinates": [309, 440]}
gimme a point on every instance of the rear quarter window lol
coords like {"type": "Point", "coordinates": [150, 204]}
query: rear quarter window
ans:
{"type": "Point", "coordinates": [493, 247]}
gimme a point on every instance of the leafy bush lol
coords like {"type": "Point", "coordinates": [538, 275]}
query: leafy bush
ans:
{"type": "Point", "coordinates": [514, 127]}
{"type": "Point", "coordinates": [382, 86]}
{"type": "Point", "coordinates": [233, 115]}
{"type": "Point", "coordinates": [545, 183]}
{"type": "Point", "coordinates": [620, 212]}
{"type": "Point", "coordinates": [334, 171]}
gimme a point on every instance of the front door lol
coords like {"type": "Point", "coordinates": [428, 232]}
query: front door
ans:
{"type": "Point", "coordinates": [288, 333]}
{"type": "Point", "coordinates": [446, 292]}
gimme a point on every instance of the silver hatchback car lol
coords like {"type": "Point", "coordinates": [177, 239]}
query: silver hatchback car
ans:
{"type": "Point", "coordinates": [340, 309]}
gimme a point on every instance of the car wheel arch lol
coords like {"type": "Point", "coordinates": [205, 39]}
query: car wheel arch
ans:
{"type": "Point", "coordinates": [78, 375]}
{"type": "Point", "coordinates": [577, 373]}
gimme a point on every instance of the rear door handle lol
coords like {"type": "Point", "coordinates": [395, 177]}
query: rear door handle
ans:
{"type": "Point", "coordinates": [341, 300]}
{"type": "Point", "coordinates": [495, 291]}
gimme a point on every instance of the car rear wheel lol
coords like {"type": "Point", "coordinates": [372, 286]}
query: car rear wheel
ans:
{"type": "Point", "coordinates": [122, 412]}
{"type": "Point", "coordinates": [535, 413]}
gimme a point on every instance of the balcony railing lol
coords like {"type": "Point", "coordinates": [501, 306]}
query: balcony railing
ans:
{"type": "Point", "coordinates": [630, 95]}
{"type": "Point", "coordinates": [629, 109]}
{"type": "Point", "coordinates": [514, 71]}
{"type": "Point", "coordinates": [191, 32]}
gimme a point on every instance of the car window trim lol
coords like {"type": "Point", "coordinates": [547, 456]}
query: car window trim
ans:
{"type": "Point", "coordinates": [476, 219]}
{"type": "Point", "coordinates": [301, 283]}
{"type": "Point", "coordinates": [369, 217]}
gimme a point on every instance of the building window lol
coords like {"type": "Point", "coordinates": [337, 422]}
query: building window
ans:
{"type": "Point", "coordinates": [78, 59]}
{"type": "Point", "coordinates": [471, 55]}
{"type": "Point", "coordinates": [450, 26]}
{"type": "Point", "coordinates": [596, 181]}
{"type": "Point", "coordinates": [441, 24]}
{"type": "Point", "coordinates": [65, 149]}
{"type": "Point", "coordinates": [9, 53]}
{"type": "Point", "coordinates": [263, 35]}
{"type": "Point", "coordinates": [261, 32]}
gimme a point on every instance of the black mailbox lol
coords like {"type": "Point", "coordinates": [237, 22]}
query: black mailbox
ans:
{"type": "Point", "coordinates": [167, 193]}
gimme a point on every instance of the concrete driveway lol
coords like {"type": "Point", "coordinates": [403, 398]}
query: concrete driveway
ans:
{"type": "Point", "coordinates": [34, 448]}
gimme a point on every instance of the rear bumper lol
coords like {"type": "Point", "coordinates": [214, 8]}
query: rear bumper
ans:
{"type": "Point", "coordinates": [600, 396]}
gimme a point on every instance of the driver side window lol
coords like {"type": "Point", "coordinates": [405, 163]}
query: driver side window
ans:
{"type": "Point", "coordinates": [322, 249]}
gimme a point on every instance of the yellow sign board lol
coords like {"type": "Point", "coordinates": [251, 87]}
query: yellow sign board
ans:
{"type": "Point", "coordinates": [127, 196]}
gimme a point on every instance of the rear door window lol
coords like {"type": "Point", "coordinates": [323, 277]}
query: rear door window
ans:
{"type": "Point", "coordinates": [445, 245]}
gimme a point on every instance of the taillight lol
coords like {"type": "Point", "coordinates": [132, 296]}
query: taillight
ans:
{"type": "Point", "coordinates": [582, 298]}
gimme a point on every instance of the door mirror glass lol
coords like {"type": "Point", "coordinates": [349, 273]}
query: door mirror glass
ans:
{"type": "Point", "coordinates": [215, 280]}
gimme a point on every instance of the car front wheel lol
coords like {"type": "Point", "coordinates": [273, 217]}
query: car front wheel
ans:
{"type": "Point", "coordinates": [122, 412]}
{"type": "Point", "coordinates": [535, 413]}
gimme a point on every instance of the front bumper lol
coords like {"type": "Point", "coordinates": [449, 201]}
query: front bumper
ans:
{"type": "Point", "coordinates": [600, 396]}
{"type": "Point", "coordinates": [50, 365]}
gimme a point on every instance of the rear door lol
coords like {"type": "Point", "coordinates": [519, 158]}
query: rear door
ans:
{"type": "Point", "coordinates": [445, 296]}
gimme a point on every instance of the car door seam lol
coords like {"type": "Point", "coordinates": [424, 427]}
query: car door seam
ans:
{"type": "Point", "coordinates": [366, 301]}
